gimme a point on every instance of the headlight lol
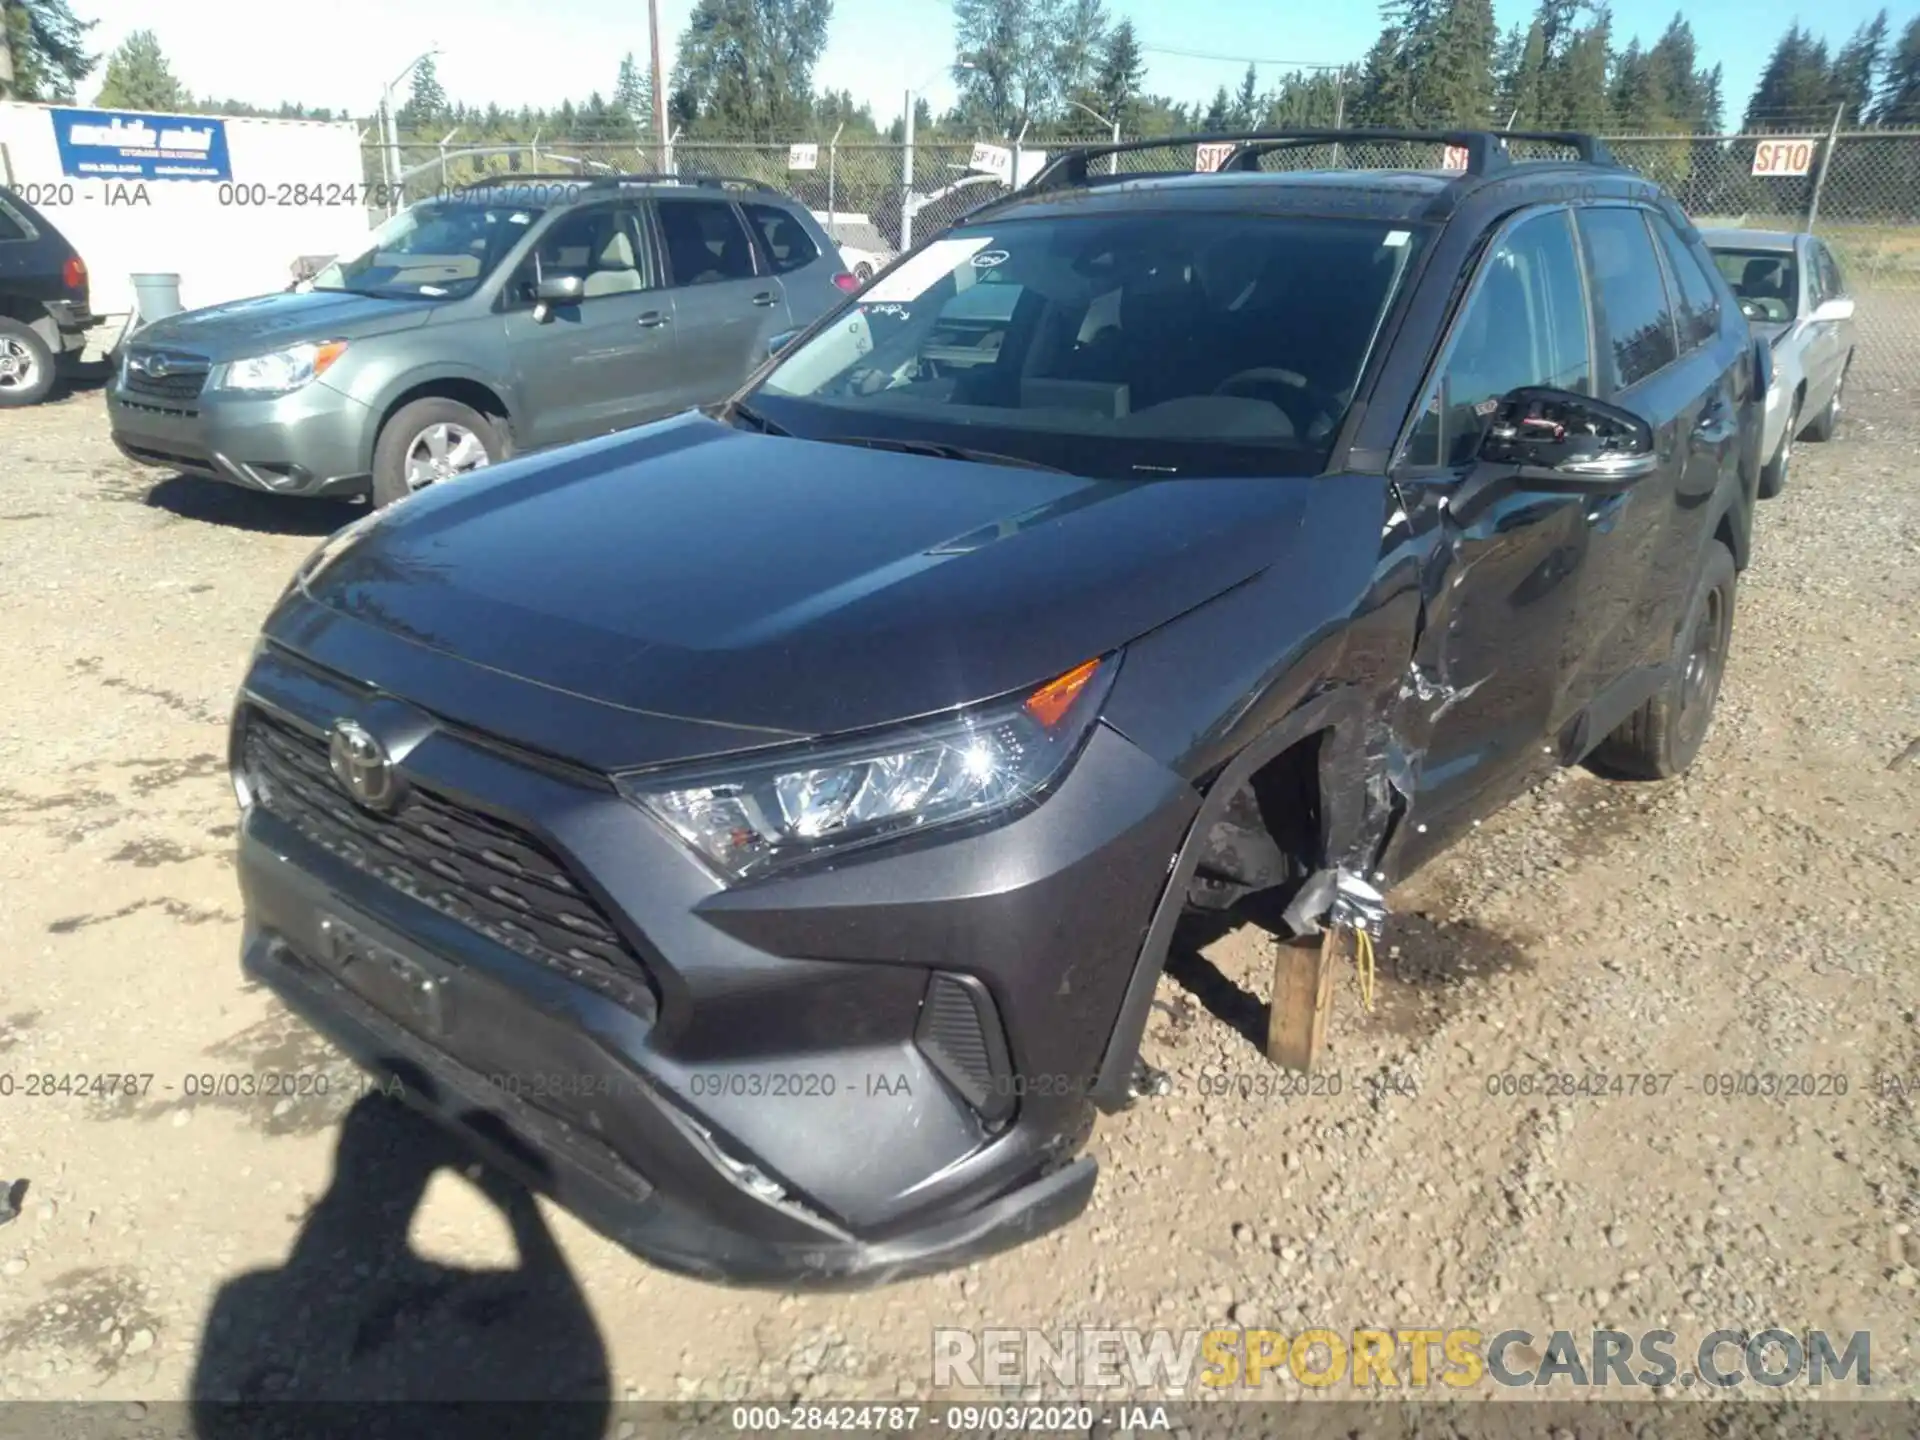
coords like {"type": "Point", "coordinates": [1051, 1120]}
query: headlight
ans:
{"type": "Point", "coordinates": [752, 817]}
{"type": "Point", "coordinates": [283, 370]}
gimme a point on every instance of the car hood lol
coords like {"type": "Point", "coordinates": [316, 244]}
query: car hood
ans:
{"type": "Point", "coordinates": [693, 571]}
{"type": "Point", "coordinates": [268, 322]}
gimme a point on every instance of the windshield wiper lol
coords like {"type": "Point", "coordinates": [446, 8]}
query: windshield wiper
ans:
{"type": "Point", "coordinates": [944, 452]}
{"type": "Point", "coordinates": [754, 418]}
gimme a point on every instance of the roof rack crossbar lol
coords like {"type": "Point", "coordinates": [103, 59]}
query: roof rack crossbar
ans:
{"type": "Point", "coordinates": [608, 181]}
{"type": "Point", "coordinates": [1486, 149]}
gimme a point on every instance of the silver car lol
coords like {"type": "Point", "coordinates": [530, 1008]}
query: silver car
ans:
{"type": "Point", "coordinates": [512, 315]}
{"type": "Point", "coordinates": [1794, 296]}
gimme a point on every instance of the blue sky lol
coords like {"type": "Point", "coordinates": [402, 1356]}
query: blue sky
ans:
{"type": "Point", "coordinates": [526, 52]}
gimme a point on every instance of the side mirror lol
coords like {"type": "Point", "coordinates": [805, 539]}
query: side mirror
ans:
{"type": "Point", "coordinates": [777, 343]}
{"type": "Point", "coordinates": [1561, 436]}
{"type": "Point", "coordinates": [552, 290]}
{"type": "Point", "coordinates": [1841, 309]}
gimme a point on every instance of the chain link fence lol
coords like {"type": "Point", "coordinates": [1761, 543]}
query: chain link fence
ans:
{"type": "Point", "coordinates": [1859, 190]}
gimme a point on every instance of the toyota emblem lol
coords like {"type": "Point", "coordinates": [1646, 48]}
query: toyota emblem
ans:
{"type": "Point", "coordinates": [361, 764]}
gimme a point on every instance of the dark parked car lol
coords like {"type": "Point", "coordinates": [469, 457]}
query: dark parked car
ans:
{"type": "Point", "coordinates": [765, 828]}
{"type": "Point", "coordinates": [505, 317]}
{"type": "Point", "coordinates": [44, 310]}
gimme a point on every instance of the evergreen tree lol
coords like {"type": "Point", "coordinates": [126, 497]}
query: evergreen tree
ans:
{"type": "Point", "coordinates": [1080, 46]}
{"type": "Point", "coordinates": [1123, 68]}
{"type": "Point", "coordinates": [1381, 94]}
{"type": "Point", "coordinates": [1245, 112]}
{"type": "Point", "coordinates": [1458, 88]}
{"type": "Point", "coordinates": [1013, 48]}
{"type": "Point", "coordinates": [633, 94]}
{"type": "Point", "coordinates": [745, 67]}
{"type": "Point", "coordinates": [426, 108]}
{"type": "Point", "coordinates": [1580, 79]}
{"type": "Point", "coordinates": [1899, 99]}
{"type": "Point", "coordinates": [1856, 70]}
{"type": "Point", "coordinates": [1521, 73]}
{"type": "Point", "coordinates": [1218, 114]}
{"type": "Point", "coordinates": [43, 51]}
{"type": "Point", "coordinates": [1794, 86]}
{"type": "Point", "coordinates": [139, 78]}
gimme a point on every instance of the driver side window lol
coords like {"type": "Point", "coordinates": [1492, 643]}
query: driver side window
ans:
{"type": "Point", "coordinates": [1525, 324]}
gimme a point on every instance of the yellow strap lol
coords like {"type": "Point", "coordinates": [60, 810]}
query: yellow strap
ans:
{"type": "Point", "coordinates": [1363, 965]}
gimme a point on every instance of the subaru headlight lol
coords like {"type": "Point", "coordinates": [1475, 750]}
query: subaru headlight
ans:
{"type": "Point", "coordinates": [283, 370]}
{"type": "Point", "coordinates": [757, 815]}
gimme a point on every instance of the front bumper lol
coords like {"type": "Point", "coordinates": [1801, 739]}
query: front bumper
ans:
{"type": "Point", "coordinates": [313, 442]}
{"type": "Point", "coordinates": [776, 1111]}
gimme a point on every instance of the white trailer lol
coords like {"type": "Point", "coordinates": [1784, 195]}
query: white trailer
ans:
{"type": "Point", "coordinates": [227, 203]}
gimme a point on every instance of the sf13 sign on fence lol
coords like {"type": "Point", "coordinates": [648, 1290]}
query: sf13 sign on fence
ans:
{"type": "Point", "coordinates": [1209, 158]}
{"type": "Point", "coordinates": [117, 144]}
{"type": "Point", "coordinates": [994, 160]}
{"type": "Point", "coordinates": [803, 157]}
{"type": "Point", "coordinates": [1453, 157]}
{"type": "Point", "coordinates": [1783, 157]}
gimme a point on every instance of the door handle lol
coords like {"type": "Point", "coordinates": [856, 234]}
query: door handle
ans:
{"type": "Point", "coordinates": [766, 297]}
{"type": "Point", "coordinates": [1604, 513]}
{"type": "Point", "coordinates": [1714, 430]}
{"type": "Point", "coordinates": [652, 320]}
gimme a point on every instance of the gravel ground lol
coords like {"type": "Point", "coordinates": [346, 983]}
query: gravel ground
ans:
{"type": "Point", "coordinates": [1759, 915]}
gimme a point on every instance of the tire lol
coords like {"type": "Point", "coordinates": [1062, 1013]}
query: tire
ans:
{"type": "Point", "coordinates": [1773, 479]}
{"type": "Point", "coordinates": [408, 445]}
{"type": "Point", "coordinates": [27, 365]}
{"type": "Point", "coordinates": [1828, 420]}
{"type": "Point", "coordinates": [1660, 739]}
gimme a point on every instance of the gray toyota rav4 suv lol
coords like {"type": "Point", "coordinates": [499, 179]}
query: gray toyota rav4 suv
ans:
{"type": "Point", "coordinates": [503, 317]}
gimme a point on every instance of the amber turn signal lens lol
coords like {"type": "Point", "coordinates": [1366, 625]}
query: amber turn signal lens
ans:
{"type": "Point", "coordinates": [1050, 703]}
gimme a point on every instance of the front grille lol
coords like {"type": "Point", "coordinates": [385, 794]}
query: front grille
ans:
{"type": "Point", "coordinates": [488, 875]}
{"type": "Point", "coordinates": [180, 376]}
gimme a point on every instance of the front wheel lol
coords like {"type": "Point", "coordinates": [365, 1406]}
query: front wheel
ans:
{"type": "Point", "coordinates": [431, 441]}
{"type": "Point", "coordinates": [1660, 739]}
{"type": "Point", "coordinates": [26, 365]}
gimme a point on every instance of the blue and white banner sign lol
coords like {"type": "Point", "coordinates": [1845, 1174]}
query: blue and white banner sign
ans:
{"type": "Point", "coordinates": [122, 144]}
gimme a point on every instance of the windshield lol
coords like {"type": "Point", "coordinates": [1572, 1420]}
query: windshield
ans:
{"type": "Point", "coordinates": [1109, 344]}
{"type": "Point", "coordinates": [440, 249]}
{"type": "Point", "coordinates": [1766, 281]}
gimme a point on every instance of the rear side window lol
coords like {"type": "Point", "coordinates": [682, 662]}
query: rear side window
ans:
{"type": "Point", "coordinates": [12, 227]}
{"type": "Point", "coordinates": [1525, 325]}
{"type": "Point", "coordinates": [785, 240]}
{"type": "Point", "coordinates": [1626, 278]}
{"type": "Point", "coordinates": [1697, 304]}
{"type": "Point", "coordinates": [705, 242]}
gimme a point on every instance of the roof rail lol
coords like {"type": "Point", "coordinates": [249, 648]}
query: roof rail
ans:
{"type": "Point", "coordinates": [605, 181]}
{"type": "Point", "coordinates": [522, 177]}
{"type": "Point", "coordinates": [710, 182]}
{"type": "Point", "coordinates": [1486, 149]}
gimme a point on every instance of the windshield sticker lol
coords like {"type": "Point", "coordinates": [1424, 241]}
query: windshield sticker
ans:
{"type": "Point", "coordinates": [917, 274]}
{"type": "Point", "coordinates": [987, 259]}
{"type": "Point", "coordinates": [1397, 237]}
{"type": "Point", "coordinates": [520, 217]}
{"type": "Point", "coordinates": [431, 290]}
{"type": "Point", "coordinates": [898, 312]}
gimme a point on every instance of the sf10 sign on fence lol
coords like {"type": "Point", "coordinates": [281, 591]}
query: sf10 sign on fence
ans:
{"type": "Point", "coordinates": [114, 144]}
{"type": "Point", "coordinates": [803, 157]}
{"type": "Point", "coordinates": [1783, 157]}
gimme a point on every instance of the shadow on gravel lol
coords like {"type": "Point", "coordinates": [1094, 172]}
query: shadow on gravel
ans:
{"type": "Point", "coordinates": [1428, 971]}
{"type": "Point", "coordinates": [213, 501]}
{"type": "Point", "coordinates": [355, 1317]}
